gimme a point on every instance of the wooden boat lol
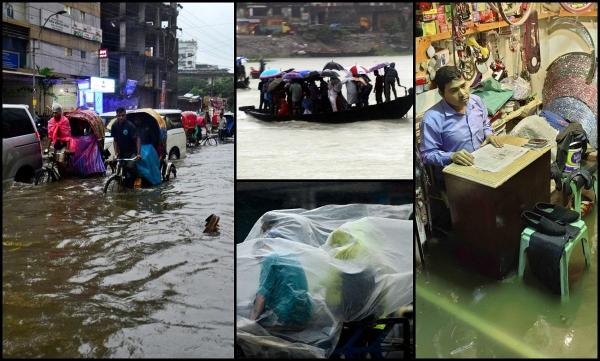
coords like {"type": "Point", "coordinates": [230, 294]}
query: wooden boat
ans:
{"type": "Point", "coordinates": [394, 109]}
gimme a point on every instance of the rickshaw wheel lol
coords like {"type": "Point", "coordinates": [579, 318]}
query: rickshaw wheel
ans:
{"type": "Point", "coordinates": [113, 184]}
{"type": "Point", "coordinates": [44, 176]}
{"type": "Point", "coordinates": [171, 170]}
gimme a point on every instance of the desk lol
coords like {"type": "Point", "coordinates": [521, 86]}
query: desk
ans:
{"type": "Point", "coordinates": [486, 207]}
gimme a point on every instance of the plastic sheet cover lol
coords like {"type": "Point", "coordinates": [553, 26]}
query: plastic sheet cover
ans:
{"type": "Point", "coordinates": [86, 158]}
{"type": "Point", "coordinates": [302, 273]}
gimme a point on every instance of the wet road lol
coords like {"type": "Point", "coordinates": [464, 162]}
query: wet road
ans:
{"type": "Point", "coordinates": [122, 275]}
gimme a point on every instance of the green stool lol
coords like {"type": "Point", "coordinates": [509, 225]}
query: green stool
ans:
{"type": "Point", "coordinates": [564, 260]}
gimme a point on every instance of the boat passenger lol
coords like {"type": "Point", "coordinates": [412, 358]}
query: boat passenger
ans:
{"type": "Point", "coordinates": [390, 78]}
{"type": "Point", "coordinates": [262, 89]}
{"type": "Point", "coordinates": [378, 87]}
{"type": "Point", "coordinates": [335, 86]}
{"type": "Point", "coordinates": [295, 92]}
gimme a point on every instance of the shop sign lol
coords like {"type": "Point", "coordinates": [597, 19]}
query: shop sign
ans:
{"type": "Point", "coordinates": [10, 59]}
{"type": "Point", "coordinates": [61, 23]}
{"type": "Point", "coordinates": [102, 85]}
{"type": "Point", "coordinates": [163, 94]}
{"type": "Point", "coordinates": [103, 53]}
{"type": "Point", "coordinates": [103, 67]}
{"type": "Point", "coordinates": [87, 31]}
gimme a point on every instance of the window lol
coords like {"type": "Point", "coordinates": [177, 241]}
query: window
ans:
{"type": "Point", "coordinates": [189, 63]}
{"type": "Point", "coordinates": [189, 54]}
{"type": "Point", "coordinates": [68, 52]}
{"type": "Point", "coordinates": [15, 123]}
{"type": "Point", "coordinates": [9, 11]}
{"type": "Point", "coordinates": [259, 12]}
{"type": "Point", "coordinates": [82, 54]}
{"type": "Point", "coordinates": [295, 12]}
{"type": "Point", "coordinates": [173, 121]}
{"type": "Point", "coordinates": [82, 16]}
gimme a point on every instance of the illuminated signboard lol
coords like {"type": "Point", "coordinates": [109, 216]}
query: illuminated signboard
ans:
{"type": "Point", "coordinates": [102, 85]}
{"type": "Point", "coordinates": [103, 53]}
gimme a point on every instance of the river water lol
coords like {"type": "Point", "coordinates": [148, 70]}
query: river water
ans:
{"type": "Point", "coordinates": [121, 275]}
{"type": "Point", "coordinates": [377, 149]}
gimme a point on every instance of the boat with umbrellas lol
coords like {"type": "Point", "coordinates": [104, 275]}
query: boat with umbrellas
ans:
{"type": "Point", "coordinates": [393, 109]}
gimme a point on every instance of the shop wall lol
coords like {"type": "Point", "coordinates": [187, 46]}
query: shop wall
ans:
{"type": "Point", "coordinates": [551, 46]}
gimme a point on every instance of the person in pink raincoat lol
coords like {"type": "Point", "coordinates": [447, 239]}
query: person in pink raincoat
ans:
{"type": "Point", "coordinates": [59, 129]}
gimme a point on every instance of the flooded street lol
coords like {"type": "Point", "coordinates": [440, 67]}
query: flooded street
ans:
{"type": "Point", "coordinates": [121, 275]}
{"type": "Point", "coordinates": [461, 314]}
{"type": "Point", "coordinates": [303, 150]}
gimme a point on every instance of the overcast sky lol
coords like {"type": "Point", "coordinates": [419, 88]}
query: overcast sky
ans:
{"type": "Point", "coordinates": [212, 26]}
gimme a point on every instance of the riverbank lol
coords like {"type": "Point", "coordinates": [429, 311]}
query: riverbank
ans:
{"type": "Point", "coordinates": [255, 46]}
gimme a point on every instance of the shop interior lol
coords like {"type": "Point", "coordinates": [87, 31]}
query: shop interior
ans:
{"type": "Point", "coordinates": [489, 281]}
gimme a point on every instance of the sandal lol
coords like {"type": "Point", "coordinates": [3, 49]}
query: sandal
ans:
{"type": "Point", "coordinates": [543, 224]}
{"type": "Point", "coordinates": [556, 213]}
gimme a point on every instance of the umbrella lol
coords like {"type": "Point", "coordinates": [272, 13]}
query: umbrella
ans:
{"type": "Point", "coordinates": [357, 69]}
{"type": "Point", "coordinates": [333, 66]}
{"type": "Point", "coordinates": [330, 73]}
{"type": "Point", "coordinates": [378, 66]}
{"type": "Point", "coordinates": [270, 73]}
{"type": "Point", "coordinates": [274, 84]}
{"type": "Point", "coordinates": [292, 75]}
{"type": "Point", "coordinates": [304, 73]}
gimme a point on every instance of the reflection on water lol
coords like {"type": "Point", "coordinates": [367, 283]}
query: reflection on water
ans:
{"type": "Point", "coordinates": [122, 275]}
{"type": "Point", "coordinates": [461, 314]}
{"type": "Point", "coordinates": [376, 149]}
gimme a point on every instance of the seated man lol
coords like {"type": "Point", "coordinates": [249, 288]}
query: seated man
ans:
{"type": "Point", "coordinates": [452, 129]}
{"type": "Point", "coordinates": [126, 144]}
{"type": "Point", "coordinates": [457, 125]}
{"type": "Point", "coordinates": [282, 299]}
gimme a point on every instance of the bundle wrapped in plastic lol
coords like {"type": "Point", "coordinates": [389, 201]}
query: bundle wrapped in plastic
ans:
{"type": "Point", "coordinates": [302, 273]}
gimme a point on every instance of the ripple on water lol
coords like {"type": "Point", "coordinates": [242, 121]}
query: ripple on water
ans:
{"type": "Point", "coordinates": [125, 275]}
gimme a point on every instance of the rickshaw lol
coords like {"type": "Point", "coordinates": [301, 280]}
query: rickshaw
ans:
{"type": "Point", "coordinates": [86, 149]}
{"type": "Point", "coordinates": [154, 128]}
{"type": "Point", "coordinates": [189, 120]}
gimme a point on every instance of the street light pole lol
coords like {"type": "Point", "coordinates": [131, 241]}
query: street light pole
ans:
{"type": "Point", "coordinates": [33, 53]}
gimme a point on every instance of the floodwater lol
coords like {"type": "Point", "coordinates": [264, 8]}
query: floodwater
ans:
{"type": "Point", "coordinates": [463, 315]}
{"type": "Point", "coordinates": [376, 149]}
{"type": "Point", "coordinates": [120, 275]}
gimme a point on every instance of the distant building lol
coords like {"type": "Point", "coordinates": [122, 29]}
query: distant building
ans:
{"type": "Point", "coordinates": [187, 54]}
{"type": "Point", "coordinates": [63, 37]}
{"type": "Point", "coordinates": [370, 15]}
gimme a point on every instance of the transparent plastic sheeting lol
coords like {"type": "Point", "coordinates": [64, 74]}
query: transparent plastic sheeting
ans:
{"type": "Point", "coordinates": [302, 273]}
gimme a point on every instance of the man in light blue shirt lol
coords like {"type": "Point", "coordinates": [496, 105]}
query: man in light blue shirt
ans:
{"type": "Point", "coordinates": [457, 125]}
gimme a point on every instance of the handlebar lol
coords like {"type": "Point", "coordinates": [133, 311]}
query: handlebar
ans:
{"type": "Point", "coordinates": [124, 159]}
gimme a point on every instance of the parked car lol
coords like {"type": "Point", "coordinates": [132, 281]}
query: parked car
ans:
{"type": "Point", "coordinates": [21, 146]}
{"type": "Point", "coordinates": [176, 140]}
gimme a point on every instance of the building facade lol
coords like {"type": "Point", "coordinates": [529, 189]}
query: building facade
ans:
{"type": "Point", "coordinates": [48, 50]}
{"type": "Point", "coordinates": [140, 40]}
{"type": "Point", "coordinates": [187, 54]}
{"type": "Point", "coordinates": [372, 16]}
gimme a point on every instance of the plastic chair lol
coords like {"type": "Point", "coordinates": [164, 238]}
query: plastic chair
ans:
{"type": "Point", "coordinates": [582, 236]}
